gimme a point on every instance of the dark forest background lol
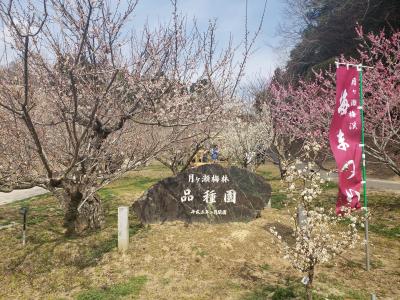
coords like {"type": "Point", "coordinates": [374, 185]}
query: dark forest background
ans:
{"type": "Point", "coordinates": [322, 30]}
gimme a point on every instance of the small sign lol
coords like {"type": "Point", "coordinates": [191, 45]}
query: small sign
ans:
{"type": "Point", "coordinates": [305, 280]}
{"type": "Point", "coordinates": [23, 211]}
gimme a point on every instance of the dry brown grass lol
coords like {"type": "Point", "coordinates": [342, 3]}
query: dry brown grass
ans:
{"type": "Point", "coordinates": [200, 261]}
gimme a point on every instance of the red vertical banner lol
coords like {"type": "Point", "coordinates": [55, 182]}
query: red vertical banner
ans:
{"type": "Point", "coordinates": [345, 137]}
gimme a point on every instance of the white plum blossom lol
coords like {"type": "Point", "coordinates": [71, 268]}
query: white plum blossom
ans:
{"type": "Point", "coordinates": [319, 234]}
{"type": "Point", "coordinates": [247, 138]}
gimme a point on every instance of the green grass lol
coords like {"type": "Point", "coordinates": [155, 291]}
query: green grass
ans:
{"type": "Point", "coordinates": [135, 227]}
{"type": "Point", "coordinates": [283, 293]}
{"type": "Point", "coordinates": [295, 290]}
{"type": "Point", "coordinates": [90, 256]}
{"type": "Point", "coordinates": [278, 200]}
{"type": "Point", "coordinates": [385, 213]}
{"type": "Point", "coordinates": [386, 231]}
{"type": "Point", "coordinates": [329, 185]}
{"type": "Point", "coordinates": [40, 209]}
{"type": "Point", "coordinates": [49, 253]}
{"type": "Point", "coordinates": [383, 207]}
{"type": "Point", "coordinates": [272, 176]}
{"type": "Point", "coordinates": [4, 222]}
{"type": "Point", "coordinates": [265, 267]}
{"type": "Point", "coordinates": [268, 175]}
{"type": "Point", "coordinates": [356, 295]}
{"type": "Point", "coordinates": [157, 167]}
{"type": "Point", "coordinates": [34, 220]}
{"type": "Point", "coordinates": [124, 190]}
{"type": "Point", "coordinates": [143, 183]}
{"type": "Point", "coordinates": [106, 195]}
{"type": "Point", "coordinates": [92, 252]}
{"type": "Point", "coordinates": [199, 251]}
{"type": "Point", "coordinates": [260, 293]}
{"type": "Point", "coordinates": [351, 264]}
{"type": "Point", "coordinates": [131, 288]}
{"type": "Point", "coordinates": [273, 292]}
{"type": "Point", "coordinates": [28, 201]}
{"type": "Point", "coordinates": [137, 183]}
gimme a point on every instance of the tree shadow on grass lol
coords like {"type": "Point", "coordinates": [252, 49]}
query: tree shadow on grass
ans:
{"type": "Point", "coordinates": [131, 288]}
{"type": "Point", "coordinates": [291, 288]}
{"type": "Point", "coordinates": [284, 231]}
{"type": "Point", "coordinates": [47, 248]}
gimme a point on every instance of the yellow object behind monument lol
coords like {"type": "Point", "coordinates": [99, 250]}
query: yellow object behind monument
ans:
{"type": "Point", "coordinates": [201, 158]}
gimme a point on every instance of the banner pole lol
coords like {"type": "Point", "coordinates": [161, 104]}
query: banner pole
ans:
{"type": "Point", "coordinates": [364, 174]}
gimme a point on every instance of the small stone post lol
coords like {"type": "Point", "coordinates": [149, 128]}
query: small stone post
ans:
{"type": "Point", "coordinates": [123, 228]}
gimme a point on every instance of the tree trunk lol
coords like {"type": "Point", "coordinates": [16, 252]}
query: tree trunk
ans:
{"type": "Point", "coordinates": [71, 204]}
{"type": "Point", "coordinates": [89, 216]}
{"type": "Point", "coordinates": [309, 292]}
{"type": "Point", "coordinates": [174, 169]}
{"type": "Point", "coordinates": [244, 163]}
{"type": "Point", "coordinates": [309, 285]}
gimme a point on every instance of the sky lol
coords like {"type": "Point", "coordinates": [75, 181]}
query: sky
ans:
{"type": "Point", "coordinates": [230, 16]}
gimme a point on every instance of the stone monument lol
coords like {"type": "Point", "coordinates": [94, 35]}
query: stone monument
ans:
{"type": "Point", "coordinates": [209, 193]}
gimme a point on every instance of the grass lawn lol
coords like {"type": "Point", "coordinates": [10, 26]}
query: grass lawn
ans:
{"type": "Point", "coordinates": [173, 261]}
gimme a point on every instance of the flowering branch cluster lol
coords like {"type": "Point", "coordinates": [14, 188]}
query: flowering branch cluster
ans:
{"type": "Point", "coordinates": [304, 184]}
{"type": "Point", "coordinates": [317, 239]}
{"type": "Point", "coordinates": [246, 138]}
{"type": "Point", "coordinates": [87, 103]}
{"type": "Point", "coordinates": [304, 110]}
{"type": "Point", "coordinates": [319, 234]}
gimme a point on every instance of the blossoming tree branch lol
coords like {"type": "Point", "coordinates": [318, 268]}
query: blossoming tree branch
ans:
{"type": "Point", "coordinates": [83, 101]}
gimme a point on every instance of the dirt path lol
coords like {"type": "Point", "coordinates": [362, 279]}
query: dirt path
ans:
{"type": "Point", "coordinates": [373, 184]}
{"type": "Point", "coordinates": [383, 185]}
{"type": "Point", "coordinates": [21, 194]}
{"type": "Point", "coordinates": [377, 184]}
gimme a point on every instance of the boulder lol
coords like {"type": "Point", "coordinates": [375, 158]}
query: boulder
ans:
{"type": "Point", "coordinates": [209, 193]}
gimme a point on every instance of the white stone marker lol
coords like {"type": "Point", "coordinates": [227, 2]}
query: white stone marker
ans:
{"type": "Point", "coordinates": [123, 228]}
{"type": "Point", "coordinates": [269, 203]}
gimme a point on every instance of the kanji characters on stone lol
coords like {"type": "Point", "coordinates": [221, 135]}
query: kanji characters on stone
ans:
{"type": "Point", "coordinates": [187, 196]}
{"type": "Point", "coordinates": [230, 196]}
